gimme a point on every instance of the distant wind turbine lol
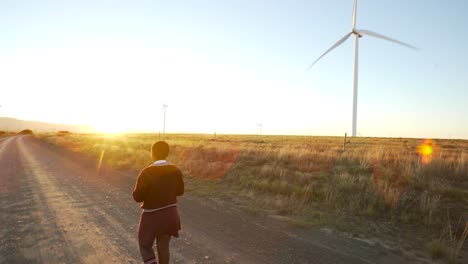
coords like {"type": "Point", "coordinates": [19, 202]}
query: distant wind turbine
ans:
{"type": "Point", "coordinates": [260, 128]}
{"type": "Point", "coordinates": [358, 34]}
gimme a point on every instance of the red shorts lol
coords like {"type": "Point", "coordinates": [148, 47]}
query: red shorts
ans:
{"type": "Point", "coordinates": [153, 224]}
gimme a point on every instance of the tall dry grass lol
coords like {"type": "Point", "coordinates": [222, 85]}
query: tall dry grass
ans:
{"type": "Point", "coordinates": [375, 178]}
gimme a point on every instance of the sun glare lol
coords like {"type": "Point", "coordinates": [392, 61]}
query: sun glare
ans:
{"type": "Point", "coordinates": [109, 128]}
{"type": "Point", "coordinates": [426, 151]}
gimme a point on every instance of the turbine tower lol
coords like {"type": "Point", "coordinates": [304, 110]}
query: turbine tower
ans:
{"type": "Point", "coordinates": [358, 34]}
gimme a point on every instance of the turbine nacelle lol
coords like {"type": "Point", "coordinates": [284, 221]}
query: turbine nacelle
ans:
{"type": "Point", "coordinates": [356, 33]}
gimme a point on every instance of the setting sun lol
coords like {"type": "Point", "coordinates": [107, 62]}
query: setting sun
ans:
{"type": "Point", "coordinates": [110, 128]}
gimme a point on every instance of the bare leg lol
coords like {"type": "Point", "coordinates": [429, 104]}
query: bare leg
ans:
{"type": "Point", "coordinates": [146, 251]}
{"type": "Point", "coordinates": [162, 243]}
{"type": "Point", "coordinates": [145, 240]}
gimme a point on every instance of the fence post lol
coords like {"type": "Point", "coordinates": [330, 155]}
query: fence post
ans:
{"type": "Point", "coordinates": [344, 142]}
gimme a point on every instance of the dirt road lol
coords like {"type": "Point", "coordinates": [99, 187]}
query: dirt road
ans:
{"type": "Point", "coordinates": [56, 207]}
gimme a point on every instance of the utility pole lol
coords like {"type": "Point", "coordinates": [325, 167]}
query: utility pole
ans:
{"type": "Point", "coordinates": [164, 119]}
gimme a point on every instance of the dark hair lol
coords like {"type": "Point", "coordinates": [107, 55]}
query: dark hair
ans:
{"type": "Point", "coordinates": [159, 150]}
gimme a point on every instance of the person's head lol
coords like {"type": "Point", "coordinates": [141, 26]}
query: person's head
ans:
{"type": "Point", "coordinates": [159, 150]}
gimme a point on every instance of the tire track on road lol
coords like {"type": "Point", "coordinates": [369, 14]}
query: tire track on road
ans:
{"type": "Point", "coordinates": [101, 198]}
{"type": "Point", "coordinates": [85, 238]}
{"type": "Point", "coordinates": [28, 235]}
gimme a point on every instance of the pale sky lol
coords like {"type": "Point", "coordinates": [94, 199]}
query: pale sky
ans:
{"type": "Point", "coordinates": [226, 66]}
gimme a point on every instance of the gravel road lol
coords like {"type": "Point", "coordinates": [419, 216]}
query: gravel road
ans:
{"type": "Point", "coordinates": [57, 207]}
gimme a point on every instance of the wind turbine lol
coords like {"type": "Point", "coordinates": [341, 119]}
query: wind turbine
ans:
{"type": "Point", "coordinates": [358, 34]}
{"type": "Point", "coordinates": [260, 128]}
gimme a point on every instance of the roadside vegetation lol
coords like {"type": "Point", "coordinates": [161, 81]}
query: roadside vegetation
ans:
{"type": "Point", "coordinates": [415, 188]}
{"type": "Point", "coordinates": [63, 133]}
{"type": "Point", "coordinates": [6, 133]}
{"type": "Point", "coordinates": [26, 132]}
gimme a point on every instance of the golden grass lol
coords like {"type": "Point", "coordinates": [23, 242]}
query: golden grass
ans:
{"type": "Point", "coordinates": [381, 179]}
{"type": "Point", "coordinates": [438, 249]}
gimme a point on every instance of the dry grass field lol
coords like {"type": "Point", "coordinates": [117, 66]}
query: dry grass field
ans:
{"type": "Point", "coordinates": [412, 189]}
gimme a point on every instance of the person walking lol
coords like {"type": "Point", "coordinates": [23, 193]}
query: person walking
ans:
{"type": "Point", "coordinates": [157, 188]}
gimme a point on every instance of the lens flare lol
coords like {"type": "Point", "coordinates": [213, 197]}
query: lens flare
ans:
{"type": "Point", "coordinates": [426, 151]}
{"type": "Point", "coordinates": [101, 158]}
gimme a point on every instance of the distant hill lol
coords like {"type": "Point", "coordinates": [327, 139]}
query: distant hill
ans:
{"type": "Point", "coordinates": [16, 125]}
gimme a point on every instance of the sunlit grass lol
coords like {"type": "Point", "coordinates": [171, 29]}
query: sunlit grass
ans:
{"type": "Point", "coordinates": [393, 181]}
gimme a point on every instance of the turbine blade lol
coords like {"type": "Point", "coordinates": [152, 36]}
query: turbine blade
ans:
{"type": "Point", "coordinates": [380, 36]}
{"type": "Point", "coordinates": [343, 39]}
{"type": "Point", "coordinates": [354, 13]}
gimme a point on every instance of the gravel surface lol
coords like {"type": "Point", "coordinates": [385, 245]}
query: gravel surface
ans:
{"type": "Point", "coordinates": [58, 207]}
